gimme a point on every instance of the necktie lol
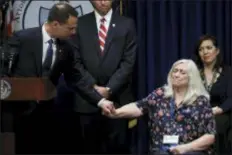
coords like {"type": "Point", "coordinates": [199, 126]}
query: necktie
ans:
{"type": "Point", "coordinates": [48, 59]}
{"type": "Point", "coordinates": [102, 35]}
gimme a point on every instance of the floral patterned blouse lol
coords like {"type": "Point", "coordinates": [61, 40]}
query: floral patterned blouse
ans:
{"type": "Point", "coordinates": [189, 122]}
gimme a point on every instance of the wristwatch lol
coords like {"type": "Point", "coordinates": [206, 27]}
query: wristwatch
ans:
{"type": "Point", "coordinates": [109, 90]}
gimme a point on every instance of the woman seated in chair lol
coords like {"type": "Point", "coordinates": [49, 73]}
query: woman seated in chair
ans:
{"type": "Point", "coordinates": [217, 78]}
{"type": "Point", "coordinates": [180, 116]}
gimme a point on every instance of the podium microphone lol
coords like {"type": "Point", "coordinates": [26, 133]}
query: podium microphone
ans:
{"type": "Point", "coordinates": [11, 59]}
{"type": "Point", "coordinates": [12, 54]}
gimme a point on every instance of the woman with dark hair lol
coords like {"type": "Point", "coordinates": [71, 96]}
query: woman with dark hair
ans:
{"type": "Point", "coordinates": [217, 79]}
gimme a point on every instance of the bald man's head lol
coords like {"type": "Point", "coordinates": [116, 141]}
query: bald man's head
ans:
{"type": "Point", "coordinates": [61, 12]}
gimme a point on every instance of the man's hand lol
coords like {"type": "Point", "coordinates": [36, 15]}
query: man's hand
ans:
{"type": "Point", "coordinates": [102, 90]}
{"type": "Point", "coordinates": [106, 106]}
{"type": "Point", "coordinates": [217, 110]}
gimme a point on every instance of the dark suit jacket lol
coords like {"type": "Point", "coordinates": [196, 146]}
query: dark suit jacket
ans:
{"type": "Point", "coordinates": [29, 63]}
{"type": "Point", "coordinates": [114, 69]}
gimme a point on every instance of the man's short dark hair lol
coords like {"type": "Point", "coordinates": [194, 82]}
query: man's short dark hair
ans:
{"type": "Point", "coordinates": [61, 12]}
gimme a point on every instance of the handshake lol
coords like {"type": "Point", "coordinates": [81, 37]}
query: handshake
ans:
{"type": "Point", "coordinates": [107, 107]}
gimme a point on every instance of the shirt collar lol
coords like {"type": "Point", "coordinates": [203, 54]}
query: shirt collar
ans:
{"type": "Point", "coordinates": [107, 16]}
{"type": "Point", "coordinates": [46, 36]}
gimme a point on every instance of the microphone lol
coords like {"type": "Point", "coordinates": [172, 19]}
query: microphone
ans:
{"type": "Point", "coordinates": [3, 45]}
{"type": "Point", "coordinates": [12, 53]}
{"type": "Point", "coordinates": [7, 49]}
{"type": "Point", "coordinates": [11, 57]}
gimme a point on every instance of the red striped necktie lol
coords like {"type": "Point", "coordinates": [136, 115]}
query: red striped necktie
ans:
{"type": "Point", "coordinates": [102, 35]}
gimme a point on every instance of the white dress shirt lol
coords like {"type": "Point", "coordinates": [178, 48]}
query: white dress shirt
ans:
{"type": "Point", "coordinates": [46, 38]}
{"type": "Point", "coordinates": [107, 19]}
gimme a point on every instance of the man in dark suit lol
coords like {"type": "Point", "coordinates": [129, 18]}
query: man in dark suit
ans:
{"type": "Point", "coordinates": [1, 25]}
{"type": "Point", "coordinates": [106, 43]}
{"type": "Point", "coordinates": [46, 52]}
{"type": "Point", "coordinates": [1, 17]}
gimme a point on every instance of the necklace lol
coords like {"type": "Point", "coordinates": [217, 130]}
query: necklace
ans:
{"type": "Point", "coordinates": [214, 79]}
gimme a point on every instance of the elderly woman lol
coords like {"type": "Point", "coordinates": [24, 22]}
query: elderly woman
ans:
{"type": "Point", "coordinates": [217, 78]}
{"type": "Point", "coordinates": [180, 116]}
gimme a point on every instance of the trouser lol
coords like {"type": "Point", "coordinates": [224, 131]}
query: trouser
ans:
{"type": "Point", "coordinates": [34, 133]}
{"type": "Point", "coordinates": [222, 137]}
{"type": "Point", "coordinates": [102, 135]}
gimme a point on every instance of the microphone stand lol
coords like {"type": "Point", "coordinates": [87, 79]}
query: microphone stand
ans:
{"type": "Point", "coordinates": [3, 42]}
{"type": "Point", "coordinates": [3, 56]}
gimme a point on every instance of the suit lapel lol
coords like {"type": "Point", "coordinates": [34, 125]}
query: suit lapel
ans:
{"type": "Point", "coordinates": [93, 31]}
{"type": "Point", "coordinates": [59, 51]}
{"type": "Point", "coordinates": [110, 33]}
{"type": "Point", "coordinates": [38, 50]}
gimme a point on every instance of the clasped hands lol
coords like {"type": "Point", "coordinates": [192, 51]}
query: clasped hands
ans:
{"type": "Point", "coordinates": [103, 91]}
{"type": "Point", "coordinates": [106, 105]}
{"type": "Point", "coordinates": [108, 108]}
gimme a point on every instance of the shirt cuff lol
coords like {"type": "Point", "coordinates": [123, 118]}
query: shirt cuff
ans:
{"type": "Point", "coordinates": [101, 102]}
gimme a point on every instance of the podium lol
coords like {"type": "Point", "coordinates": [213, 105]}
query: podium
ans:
{"type": "Point", "coordinates": [22, 89]}
{"type": "Point", "coordinates": [26, 89]}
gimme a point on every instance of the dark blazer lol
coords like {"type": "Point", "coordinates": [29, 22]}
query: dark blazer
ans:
{"type": "Point", "coordinates": [221, 95]}
{"type": "Point", "coordinates": [114, 69]}
{"type": "Point", "coordinates": [29, 63]}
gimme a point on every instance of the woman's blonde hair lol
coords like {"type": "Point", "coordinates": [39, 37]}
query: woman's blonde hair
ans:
{"type": "Point", "coordinates": [195, 84]}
